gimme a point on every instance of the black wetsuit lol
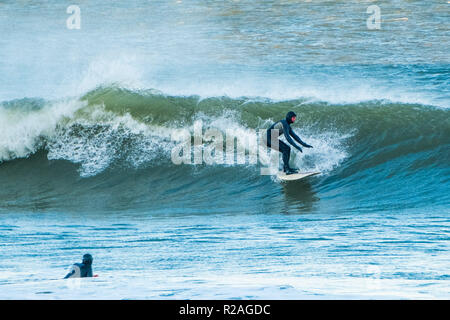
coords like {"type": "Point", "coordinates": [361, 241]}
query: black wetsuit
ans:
{"type": "Point", "coordinates": [80, 270]}
{"type": "Point", "coordinates": [284, 127]}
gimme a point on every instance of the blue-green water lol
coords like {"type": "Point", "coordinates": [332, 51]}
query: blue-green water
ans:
{"type": "Point", "coordinates": [88, 116]}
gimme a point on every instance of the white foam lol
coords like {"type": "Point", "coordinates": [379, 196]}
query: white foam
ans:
{"type": "Point", "coordinates": [21, 130]}
{"type": "Point", "coordinates": [123, 70]}
{"type": "Point", "coordinates": [327, 153]}
{"type": "Point", "coordinates": [207, 286]}
{"type": "Point", "coordinates": [99, 137]}
{"type": "Point", "coordinates": [135, 72]}
{"type": "Point", "coordinates": [96, 138]}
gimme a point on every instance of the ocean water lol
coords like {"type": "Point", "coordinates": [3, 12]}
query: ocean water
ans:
{"type": "Point", "coordinates": [88, 124]}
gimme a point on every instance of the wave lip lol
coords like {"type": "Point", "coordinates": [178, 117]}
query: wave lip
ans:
{"type": "Point", "coordinates": [26, 123]}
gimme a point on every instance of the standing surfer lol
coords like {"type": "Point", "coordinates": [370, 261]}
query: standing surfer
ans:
{"type": "Point", "coordinates": [284, 127]}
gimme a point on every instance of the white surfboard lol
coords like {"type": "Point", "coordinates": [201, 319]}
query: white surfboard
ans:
{"type": "Point", "coordinates": [295, 176]}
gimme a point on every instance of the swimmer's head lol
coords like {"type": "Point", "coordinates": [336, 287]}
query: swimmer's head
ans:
{"type": "Point", "coordinates": [87, 259]}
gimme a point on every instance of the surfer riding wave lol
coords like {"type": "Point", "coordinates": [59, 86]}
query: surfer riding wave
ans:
{"type": "Point", "coordinates": [276, 130]}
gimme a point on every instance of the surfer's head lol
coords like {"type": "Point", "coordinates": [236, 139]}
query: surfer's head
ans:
{"type": "Point", "coordinates": [290, 117]}
{"type": "Point", "coordinates": [87, 259]}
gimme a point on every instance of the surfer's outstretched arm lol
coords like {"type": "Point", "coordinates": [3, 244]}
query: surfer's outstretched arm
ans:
{"type": "Point", "coordinates": [69, 274]}
{"type": "Point", "coordinates": [286, 130]}
{"type": "Point", "coordinates": [297, 138]}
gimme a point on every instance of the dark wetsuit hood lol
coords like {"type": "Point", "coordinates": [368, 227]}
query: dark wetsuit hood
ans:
{"type": "Point", "coordinates": [87, 259]}
{"type": "Point", "coordinates": [289, 116]}
{"type": "Point", "coordinates": [81, 270]}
